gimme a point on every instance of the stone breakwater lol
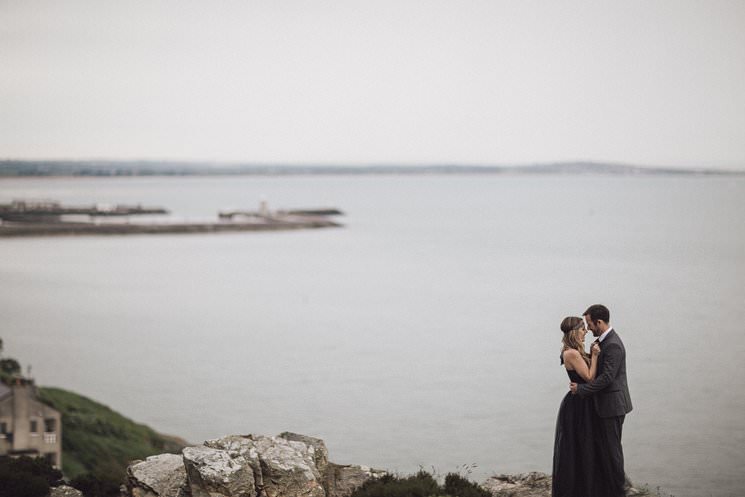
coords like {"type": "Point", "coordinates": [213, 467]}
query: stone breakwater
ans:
{"type": "Point", "coordinates": [287, 465]}
{"type": "Point", "coordinates": [50, 218]}
{"type": "Point", "coordinates": [13, 229]}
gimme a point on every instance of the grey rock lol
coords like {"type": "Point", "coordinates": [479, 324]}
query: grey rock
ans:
{"type": "Point", "coordinates": [242, 446]}
{"type": "Point", "coordinates": [65, 491]}
{"type": "Point", "coordinates": [342, 480]}
{"type": "Point", "coordinates": [536, 484]}
{"type": "Point", "coordinates": [283, 466]}
{"type": "Point", "coordinates": [288, 465]}
{"type": "Point", "coordinates": [632, 491]}
{"type": "Point", "coordinates": [236, 445]}
{"type": "Point", "coordinates": [157, 476]}
{"type": "Point", "coordinates": [532, 484]}
{"type": "Point", "coordinates": [288, 468]}
{"type": "Point", "coordinates": [215, 472]}
{"type": "Point", "coordinates": [317, 448]}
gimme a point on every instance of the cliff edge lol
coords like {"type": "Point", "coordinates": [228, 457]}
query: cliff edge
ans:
{"type": "Point", "coordinates": [287, 465]}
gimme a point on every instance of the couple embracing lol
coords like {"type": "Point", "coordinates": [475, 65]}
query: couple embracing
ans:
{"type": "Point", "coordinates": [588, 456]}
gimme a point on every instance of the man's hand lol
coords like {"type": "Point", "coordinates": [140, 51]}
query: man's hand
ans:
{"type": "Point", "coordinates": [573, 388]}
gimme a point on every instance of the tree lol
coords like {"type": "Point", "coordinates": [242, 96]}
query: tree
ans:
{"type": "Point", "coordinates": [10, 366]}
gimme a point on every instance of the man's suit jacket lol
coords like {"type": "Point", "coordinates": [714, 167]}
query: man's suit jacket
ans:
{"type": "Point", "coordinates": [609, 389]}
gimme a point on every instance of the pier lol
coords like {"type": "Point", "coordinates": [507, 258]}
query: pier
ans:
{"type": "Point", "coordinates": [325, 211]}
{"type": "Point", "coordinates": [50, 218]}
{"type": "Point", "coordinates": [46, 210]}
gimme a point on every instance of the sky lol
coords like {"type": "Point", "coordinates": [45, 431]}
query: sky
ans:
{"type": "Point", "coordinates": [659, 83]}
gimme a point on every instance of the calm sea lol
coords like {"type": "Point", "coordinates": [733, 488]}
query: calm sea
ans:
{"type": "Point", "coordinates": [424, 333]}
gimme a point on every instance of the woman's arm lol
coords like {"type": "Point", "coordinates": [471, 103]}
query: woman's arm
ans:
{"type": "Point", "coordinates": [576, 363]}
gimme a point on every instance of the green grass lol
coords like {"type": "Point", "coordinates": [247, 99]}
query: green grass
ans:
{"type": "Point", "coordinates": [98, 441]}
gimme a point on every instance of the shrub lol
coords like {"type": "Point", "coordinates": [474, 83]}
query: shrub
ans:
{"type": "Point", "coordinates": [26, 477]}
{"type": "Point", "coordinates": [94, 486]}
{"type": "Point", "coordinates": [422, 484]}
{"type": "Point", "coordinates": [457, 486]}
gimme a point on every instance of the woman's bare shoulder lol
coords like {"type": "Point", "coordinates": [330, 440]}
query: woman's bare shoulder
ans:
{"type": "Point", "coordinates": [570, 356]}
{"type": "Point", "coordinates": [569, 353]}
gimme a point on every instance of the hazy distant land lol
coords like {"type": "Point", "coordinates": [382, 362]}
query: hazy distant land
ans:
{"type": "Point", "coordinates": [14, 168]}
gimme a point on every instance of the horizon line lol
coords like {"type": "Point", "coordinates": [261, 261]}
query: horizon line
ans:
{"type": "Point", "coordinates": [377, 164]}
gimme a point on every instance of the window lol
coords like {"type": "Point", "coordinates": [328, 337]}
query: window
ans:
{"type": "Point", "coordinates": [34, 426]}
{"type": "Point", "coordinates": [51, 458]}
{"type": "Point", "coordinates": [50, 425]}
{"type": "Point", "coordinates": [3, 428]}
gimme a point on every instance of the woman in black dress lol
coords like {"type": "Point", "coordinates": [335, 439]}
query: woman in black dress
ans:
{"type": "Point", "coordinates": [574, 471]}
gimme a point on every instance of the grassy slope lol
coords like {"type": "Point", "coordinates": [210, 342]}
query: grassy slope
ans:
{"type": "Point", "coordinates": [97, 440]}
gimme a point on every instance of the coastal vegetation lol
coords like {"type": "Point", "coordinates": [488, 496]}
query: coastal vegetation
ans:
{"type": "Point", "coordinates": [422, 484]}
{"type": "Point", "coordinates": [98, 443]}
{"type": "Point", "coordinates": [27, 477]}
{"type": "Point", "coordinates": [8, 367]}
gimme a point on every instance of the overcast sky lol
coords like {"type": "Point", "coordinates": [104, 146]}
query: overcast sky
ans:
{"type": "Point", "coordinates": [473, 82]}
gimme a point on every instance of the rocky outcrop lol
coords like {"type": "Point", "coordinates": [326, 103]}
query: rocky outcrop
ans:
{"type": "Point", "coordinates": [157, 476]}
{"type": "Point", "coordinates": [532, 484]}
{"type": "Point", "coordinates": [288, 468]}
{"type": "Point", "coordinates": [536, 484]}
{"type": "Point", "coordinates": [64, 491]}
{"type": "Point", "coordinates": [342, 480]}
{"type": "Point", "coordinates": [288, 465]}
{"type": "Point", "coordinates": [211, 472]}
{"type": "Point", "coordinates": [316, 447]}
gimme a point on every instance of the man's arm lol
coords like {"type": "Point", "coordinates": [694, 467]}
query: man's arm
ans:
{"type": "Point", "coordinates": [611, 362]}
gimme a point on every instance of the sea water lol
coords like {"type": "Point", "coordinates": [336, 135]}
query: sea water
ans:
{"type": "Point", "coordinates": [423, 333]}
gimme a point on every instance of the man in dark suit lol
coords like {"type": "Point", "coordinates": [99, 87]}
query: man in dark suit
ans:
{"type": "Point", "coordinates": [610, 394]}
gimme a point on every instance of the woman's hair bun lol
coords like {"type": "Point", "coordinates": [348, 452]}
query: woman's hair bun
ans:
{"type": "Point", "coordinates": [570, 323]}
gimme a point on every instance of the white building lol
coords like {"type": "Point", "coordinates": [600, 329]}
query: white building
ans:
{"type": "Point", "coordinates": [28, 427]}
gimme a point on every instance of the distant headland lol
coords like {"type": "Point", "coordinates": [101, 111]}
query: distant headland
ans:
{"type": "Point", "coordinates": [117, 168]}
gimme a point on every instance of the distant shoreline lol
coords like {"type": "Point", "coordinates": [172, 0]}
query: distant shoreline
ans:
{"type": "Point", "coordinates": [111, 168]}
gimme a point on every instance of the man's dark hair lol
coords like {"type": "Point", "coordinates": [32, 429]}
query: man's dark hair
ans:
{"type": "Point", "coordinates": [598, 311]}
